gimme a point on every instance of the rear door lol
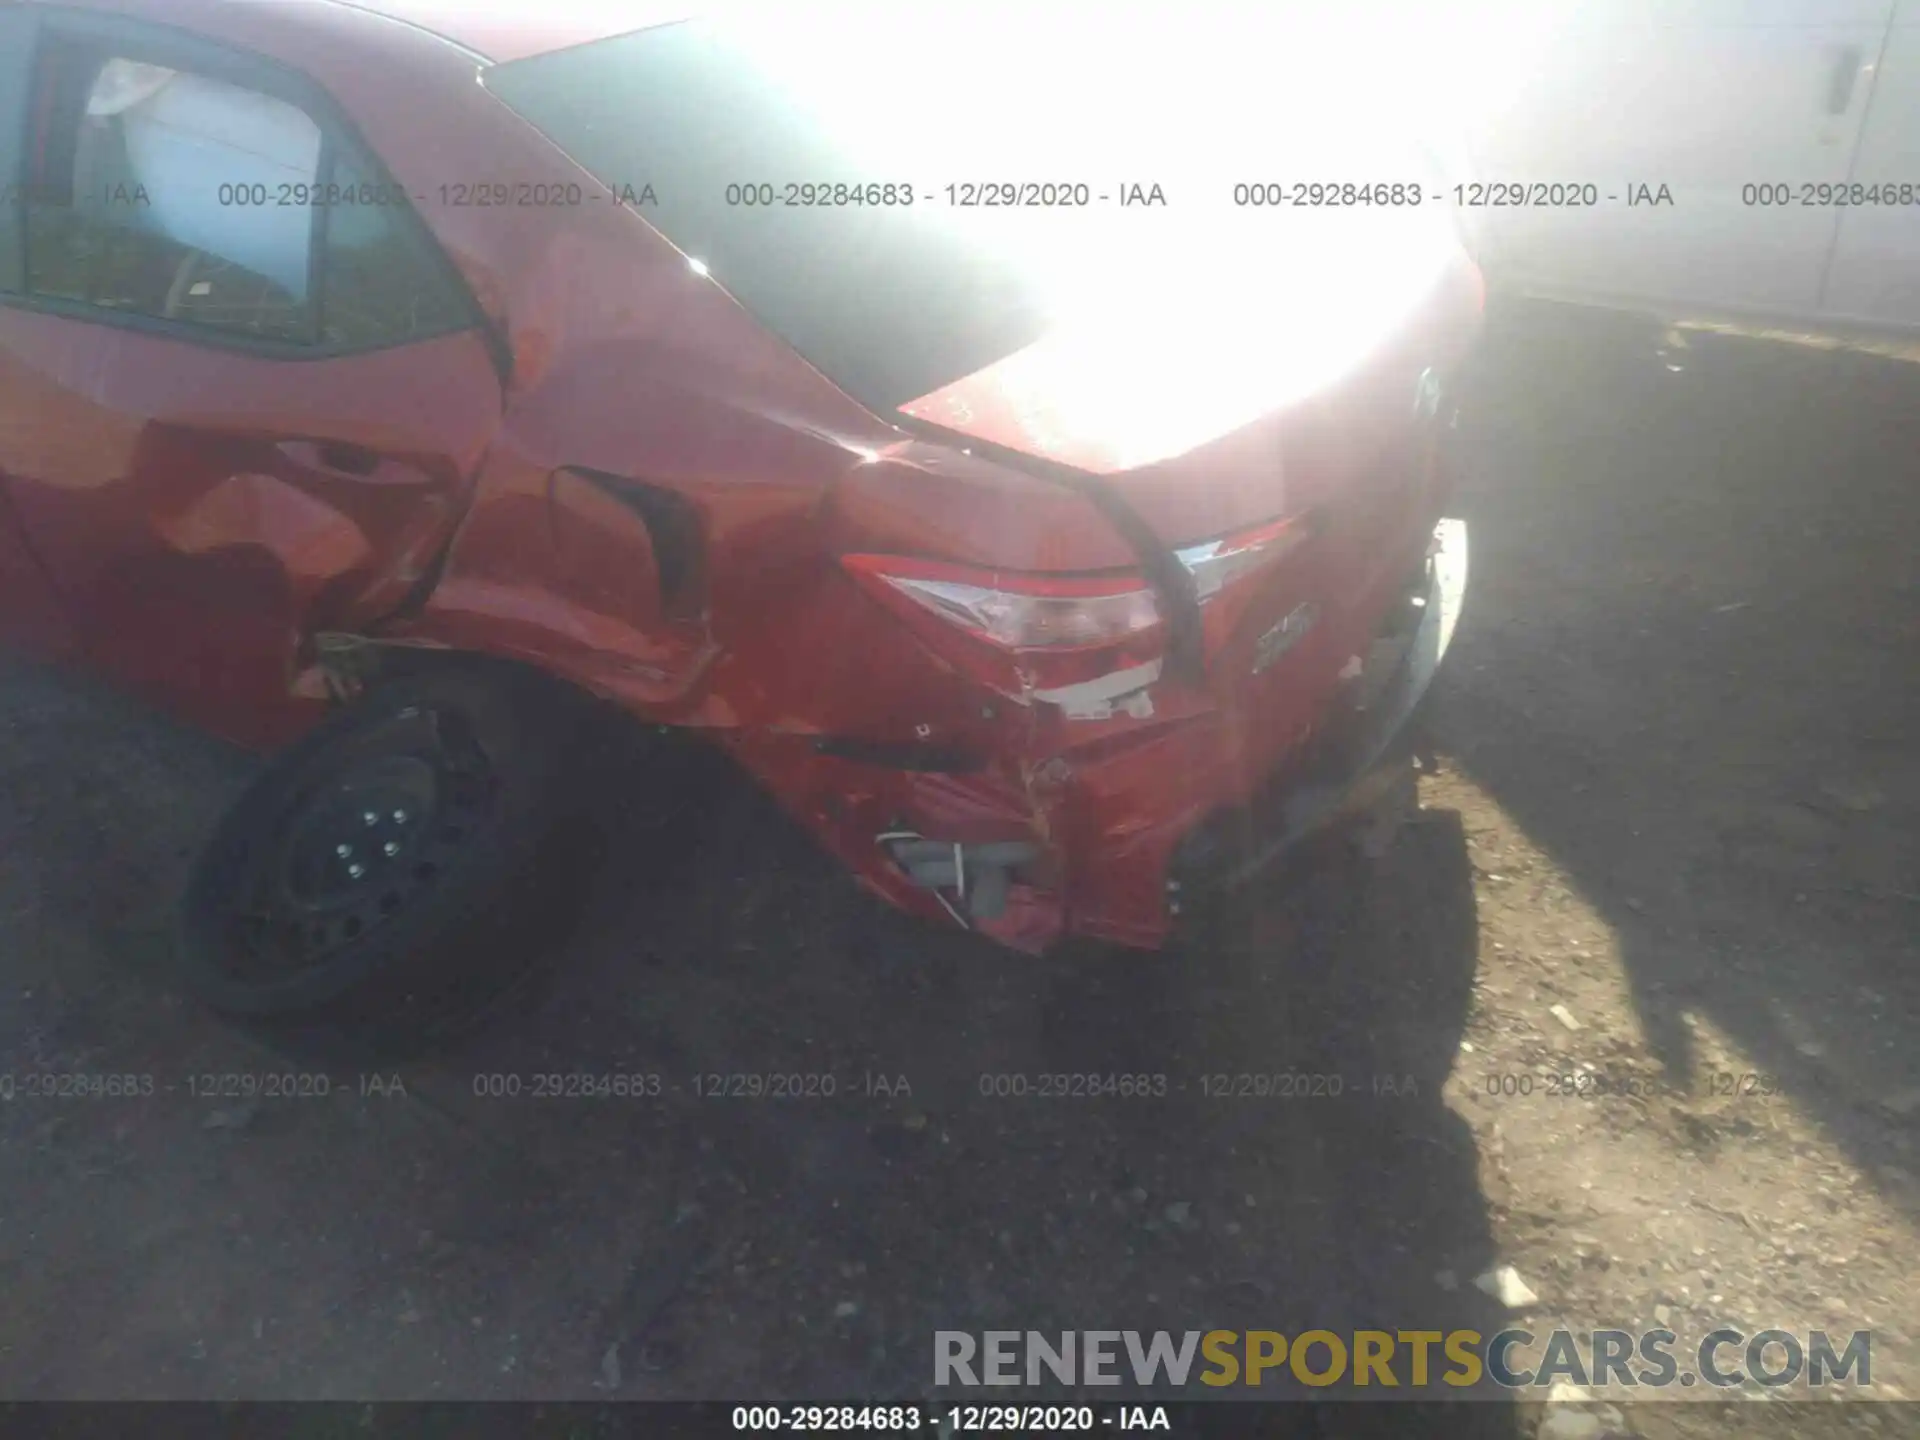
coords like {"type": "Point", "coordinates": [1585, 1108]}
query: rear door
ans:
{"type": "Point", "coordinates": [242, 395]}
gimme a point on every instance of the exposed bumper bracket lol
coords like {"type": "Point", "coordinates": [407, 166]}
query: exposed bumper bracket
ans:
{"type": "Point", "coordinates": [979, 876]}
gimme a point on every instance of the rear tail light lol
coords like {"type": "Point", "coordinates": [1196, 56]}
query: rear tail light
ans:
{"type": "Point", "coordinates": [1019, 632]}
{"type": "Point", "coordinates": [1218, 563]}
{"type": "Point", "coordinates": [1037, 612]}
{"type": "Point", "coordinates": [1024, 633]}
{"type": "Point", "coordinates": [1228, 574]}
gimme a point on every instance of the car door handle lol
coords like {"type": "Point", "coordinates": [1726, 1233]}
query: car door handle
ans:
{"type": "Point", "coordinates": [1846, 72]}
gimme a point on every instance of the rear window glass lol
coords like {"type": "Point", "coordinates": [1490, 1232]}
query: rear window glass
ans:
{"type": "Point", "coordinates": [907, 198]}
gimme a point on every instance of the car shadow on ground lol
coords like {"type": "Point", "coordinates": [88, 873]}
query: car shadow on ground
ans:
{"type": "Point", "coordinates": [1290, 1165]}
{"type": "Point", "coordinates": [1690, 672]}
{"type": "Point", "coordinates": [678, 1244]}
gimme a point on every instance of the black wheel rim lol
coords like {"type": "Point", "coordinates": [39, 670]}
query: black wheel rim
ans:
{"type": "Point", "coordinates": [387, 817]}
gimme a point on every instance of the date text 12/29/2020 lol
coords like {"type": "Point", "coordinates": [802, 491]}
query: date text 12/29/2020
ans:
{"type": "Point", "coordinates": [204, 1085]}
{"type": "Point", "coordinates": [952, 1420]}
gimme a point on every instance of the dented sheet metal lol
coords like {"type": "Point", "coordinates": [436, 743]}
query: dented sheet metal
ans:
{"type": "Point", "coordinates": [619, 474]}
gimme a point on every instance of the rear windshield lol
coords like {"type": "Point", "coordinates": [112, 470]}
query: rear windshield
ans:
{"type": "Point", "coordinates": [846, 177]}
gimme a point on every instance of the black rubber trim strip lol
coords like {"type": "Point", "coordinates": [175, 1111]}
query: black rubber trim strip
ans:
{"type": "Point", "coordinates": [672, 524]}
{"type": "Point", "coordinates": [1171, 581]}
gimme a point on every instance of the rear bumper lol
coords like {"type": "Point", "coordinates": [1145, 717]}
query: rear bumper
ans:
{"type": "Point", "coordinates": [1108, 838]}
{"type": "Point", "coordinates": [1352, 766]}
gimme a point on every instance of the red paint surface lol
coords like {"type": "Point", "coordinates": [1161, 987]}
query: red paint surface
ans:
{"type": "Point", "coordinates": [179, 499]}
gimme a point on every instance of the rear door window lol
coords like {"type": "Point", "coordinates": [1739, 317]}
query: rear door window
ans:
{"type": "Point", "coordinates": [162, 193]}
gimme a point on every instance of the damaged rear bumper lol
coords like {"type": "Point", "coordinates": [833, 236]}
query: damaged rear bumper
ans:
{"type": "Point", "coordinates": [1113, 838]}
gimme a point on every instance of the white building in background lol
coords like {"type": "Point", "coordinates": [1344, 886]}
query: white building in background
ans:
{"type": "Point", "coordinates": [1786, 135]}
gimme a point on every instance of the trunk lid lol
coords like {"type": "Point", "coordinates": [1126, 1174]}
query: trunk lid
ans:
{"type": "Point", "coordinates": [1297, 393]}
{"type": "Point", "coordinates": [1319, 393]}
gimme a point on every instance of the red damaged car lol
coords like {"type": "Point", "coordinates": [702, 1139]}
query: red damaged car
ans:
{"type": "Point", "coordinates": [1021, 448]}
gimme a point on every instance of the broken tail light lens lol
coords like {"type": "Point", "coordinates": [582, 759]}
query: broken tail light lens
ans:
{"type": "Point", "coordinates": [1019, 612]}
{"type": "Point", "coordinates": [1218, 563]}
{"type": "Point", "coordinates": [1019, 632]}
{"type": "Point", "coordinates": [1026, 633]}
{"type": "Point", "coordinates": [1229, 574]}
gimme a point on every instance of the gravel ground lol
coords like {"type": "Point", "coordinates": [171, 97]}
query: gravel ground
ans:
{"type": "Point", "coordinates": [1629, 1009]}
